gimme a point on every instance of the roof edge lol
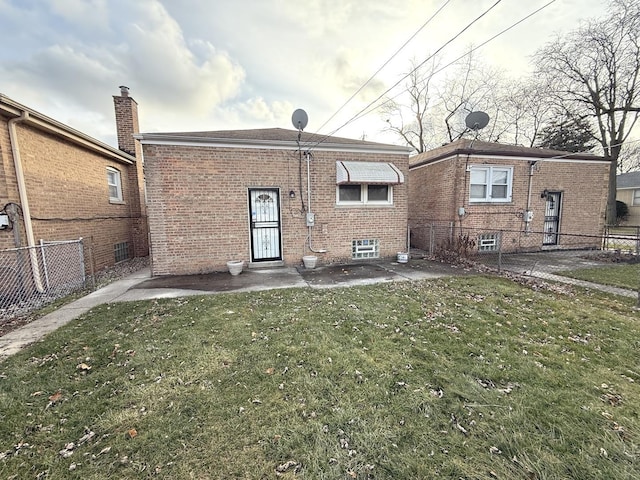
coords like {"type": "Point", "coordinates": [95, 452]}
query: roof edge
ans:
{"type": "Point", "coordinates": [39, 120]}
{"type": "Point", "coordinates": [185, 139]}
{"type": "Point", "coordinates": [522, 153]}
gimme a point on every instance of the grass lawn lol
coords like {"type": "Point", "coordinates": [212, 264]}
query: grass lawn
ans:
{"type": "Point", "coordinates": [620, 275]}
{"type": "Point", "coordinates": [473, 378]}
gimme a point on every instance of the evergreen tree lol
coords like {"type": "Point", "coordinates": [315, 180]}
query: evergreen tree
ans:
{"type": "Point", "coordinates": [570, 135]}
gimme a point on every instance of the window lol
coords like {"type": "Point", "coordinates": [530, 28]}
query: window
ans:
{"type": "Point", "coordinates": [115, 185]}
{"type": "Point", "coordinates": [365, 248]}
{"type": "Point", "coordinates": [121, 251]}
{"type": "Point", "coordinates": [365, 194]}
{"type": "Point", "coordinates": [635, 200]}
{"type": "Point", "coordinates": [490, 184]}
{"type": "Point", "coordinates": [488, 242]}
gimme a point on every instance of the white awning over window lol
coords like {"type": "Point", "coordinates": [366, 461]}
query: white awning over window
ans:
{"type": "Point", "coordinates": [368, 172]}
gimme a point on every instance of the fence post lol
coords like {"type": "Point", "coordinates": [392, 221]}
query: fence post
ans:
{"type": "Point", "coordinates": [82, 265]}
{"type": "Point", "coordinates": [44, 263]}
{"type": "Point", "coordinates": [431, 238]}
{"type": "Point", "coordinates": [500, 251]}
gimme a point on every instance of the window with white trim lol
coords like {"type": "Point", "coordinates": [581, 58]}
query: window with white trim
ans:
{"type": "Point", "coordinates": [367, 248]}
{"type": "Point", "coordinates": [115, 185]}
{"type": "Point", "coordinates": [635, 199]}
{"type": "Point", "coordinates": [488, 242]}
{"type": "Point", "coordinates": [364, 194]}
{"type": "Point", "coordinates": [490, 184]}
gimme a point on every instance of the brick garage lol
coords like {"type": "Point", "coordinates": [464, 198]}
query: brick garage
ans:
{"type": "Point", "coordinates": [200, 209]}
{"type": "Point", "coordinates": [564, 192]}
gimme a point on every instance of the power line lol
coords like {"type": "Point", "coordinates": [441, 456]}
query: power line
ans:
{"type": "Point", "coordinates": [420, 65]}
{"type": "Point", "coordinates": [473, 49]}
{"type": "Point", "coordinates": [385, 64]}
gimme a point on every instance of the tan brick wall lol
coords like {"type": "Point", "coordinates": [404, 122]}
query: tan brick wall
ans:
{"type": "Point", "coordinates": [68, 193]}
{"type": "Point", "coordinates": [439, 189]}
{"type": "Point", "coordinates": [8, 186]}
{"type": "Point", "coordinates": [198, 206]}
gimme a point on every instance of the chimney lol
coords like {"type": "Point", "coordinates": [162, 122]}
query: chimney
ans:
{"type": "Point", "coordinates": [126, 126]}
{"type": "Point", "coordinates": [126, 121]}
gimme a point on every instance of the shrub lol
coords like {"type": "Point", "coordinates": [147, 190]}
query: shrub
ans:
{"type": "Point", "coordinates": [622, 212]}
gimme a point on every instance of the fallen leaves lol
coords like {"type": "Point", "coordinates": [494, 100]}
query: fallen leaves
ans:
{"type": "Point", "coordinates": [83, 367]}
{"type": "Point", "coordinates": [290, 465]}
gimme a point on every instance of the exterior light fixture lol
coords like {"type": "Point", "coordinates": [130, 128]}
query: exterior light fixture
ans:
{"type": "Point", "coordinates": [292, 194]}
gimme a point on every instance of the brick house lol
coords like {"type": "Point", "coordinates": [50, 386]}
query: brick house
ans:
{"type": "Point", "coordinates": [268, 198]}
{"type": "Point", "coordinates": [628, 191]}
{"type": "Point", "coordinates": [526, 198]}
{"type": "Point", "coordinates": [57, 183]}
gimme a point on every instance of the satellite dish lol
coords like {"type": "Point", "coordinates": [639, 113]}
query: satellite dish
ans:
{"type": "Point", "coordinates": [476, 120]}
{"type": "Point", "coordinates": [299, 119]}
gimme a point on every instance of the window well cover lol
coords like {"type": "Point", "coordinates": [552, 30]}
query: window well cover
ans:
{"type": "Point", "coordinates": [368, 172]}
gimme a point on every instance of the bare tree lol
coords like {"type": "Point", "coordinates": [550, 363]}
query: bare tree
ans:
{"type": "Point", "coordinates": [410, 119]}
{"type": "Point", "coordinates": [629, 160]}
{"type": "Point", "coordinates": [432, 109]}
{"type": "Point", "coordinates": [594, 71]}
{"type": "Point", "coordinates": [526, 110]}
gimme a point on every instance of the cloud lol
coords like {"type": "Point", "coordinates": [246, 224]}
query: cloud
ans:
{"type": "Point", "coordinates": [205, 65]}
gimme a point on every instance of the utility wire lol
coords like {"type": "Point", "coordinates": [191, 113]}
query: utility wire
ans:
{"type": "Point", "coordinates": [416, 68]}
{"type": "Point", "coordinates": [473, 49]}
{"type": "Point", "coordinates": [385, 64]}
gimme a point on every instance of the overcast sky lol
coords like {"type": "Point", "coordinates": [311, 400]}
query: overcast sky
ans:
{"type": "Point", "coordinates": [196, 65]}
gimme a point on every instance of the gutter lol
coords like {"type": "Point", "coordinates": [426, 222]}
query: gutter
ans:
{"type": "Point", "coordinates": [24, 201]}
{"type": "Point", "coordinates": [204, 141]}
{"type": "Point", "coordinates": [43, 122]}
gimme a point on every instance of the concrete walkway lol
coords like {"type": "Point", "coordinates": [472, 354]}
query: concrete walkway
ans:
{"type": "Point", "coordinates": [13, 341]}
{"type": "Point", "coordinates": [623, 292]}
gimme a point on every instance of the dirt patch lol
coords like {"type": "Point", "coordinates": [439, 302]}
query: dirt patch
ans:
{"type": "Point", "coordinates": [613, 257]}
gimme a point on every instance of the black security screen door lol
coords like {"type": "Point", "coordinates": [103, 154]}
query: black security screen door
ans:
{"type": "Point", "coordinates": [552, 219]}
{"type": "Point", "coordinates": [264, 217]}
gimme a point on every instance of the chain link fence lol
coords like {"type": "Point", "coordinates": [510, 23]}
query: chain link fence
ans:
{"type": "Point", "coordinates": [32, 277]}
{"type": "Point", "coordinates": [579, 259]}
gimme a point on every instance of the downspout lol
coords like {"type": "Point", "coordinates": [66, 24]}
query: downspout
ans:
{"type": "Point", "coordinates": [24, 202]}
{"type": "Point", "coordinates": [310, 215]}
{"type": "Point", "coordinates": [528, 214]}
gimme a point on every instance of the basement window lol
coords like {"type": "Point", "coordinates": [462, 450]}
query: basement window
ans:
{"type": "Point", "coordinates": [369, 248]}
{"type": "Point", "coordinates": [488, 242]}
{"type": "Point", "coordinates": [121, 251]}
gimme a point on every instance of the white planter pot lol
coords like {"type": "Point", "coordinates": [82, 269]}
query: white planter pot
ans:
{"type": "Point", "coordinates": [235, 266]}
{"type": "Point", "coordinates": [403, 257]}
{"type": "Point", "coordinates": [309, 261]}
